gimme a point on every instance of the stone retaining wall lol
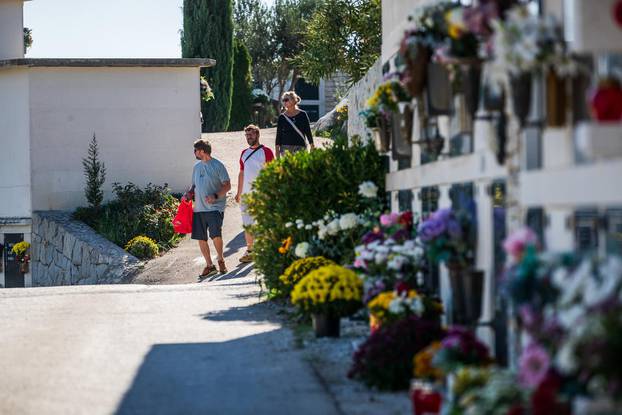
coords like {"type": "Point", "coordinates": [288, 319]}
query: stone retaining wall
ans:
{"type": "Point", "coordinates": [358, 95]}
{"type": "Point", "coordinates": [68, 252]}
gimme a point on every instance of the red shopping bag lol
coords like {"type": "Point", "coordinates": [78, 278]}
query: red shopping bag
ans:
{"type": "Point", "coordinates": [182, 222]}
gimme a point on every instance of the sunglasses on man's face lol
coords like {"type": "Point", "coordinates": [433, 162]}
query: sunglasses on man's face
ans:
{"type": "Point", "coordinates": [285, 99]}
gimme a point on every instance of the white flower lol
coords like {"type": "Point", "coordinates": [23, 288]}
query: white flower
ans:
{"type": "Point", "coordinates": [302, 249]}
{"type": "Point", "coordinates": [565, 358]}
{"type": "Point", "coordinates": [395, 306]}
{"type": "Point", "coordinates": [368, 189]}
{"type": "Point", "coordinates": [321, 233]}
{"type": "Point", "coordinates": [569, 317]}
{"type": "Point", "coordinates": [367, 255]}
{"type": "Point", "coordinates": [348, 221]}
{"type": "Point", "coordinates": [307, 227]}
{"type": "Point", "coordinates": [299, 221]}
{"type": "Point", "coordinates": [300, 225]}
{"type": "Point", "coordinates": [289, 225]}
{"type": "Point", "coordinates": [396, 263]}
{"type": "Point", "coordinates": [333, 227]}
{"type": "Point", "coordinates": [380, 258]}
{"type": "Point", "coordinates": [416, 306]}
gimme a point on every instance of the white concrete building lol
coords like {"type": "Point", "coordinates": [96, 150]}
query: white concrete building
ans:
{"type": "Point", "coordinates": [144, 113]}
{"type": "Point", "coordinates": [568, 178]}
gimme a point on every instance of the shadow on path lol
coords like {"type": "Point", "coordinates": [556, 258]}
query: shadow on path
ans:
{"type": "Point", "coordinates": [257, 313]}
{"type": "Point", "coordinates": [248, 375]}
{"type": "Point", "coordinates": [235, 244]}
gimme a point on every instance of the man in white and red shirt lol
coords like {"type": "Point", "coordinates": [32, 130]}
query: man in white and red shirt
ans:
{"type": "Point", "coordinates": [252, 160]}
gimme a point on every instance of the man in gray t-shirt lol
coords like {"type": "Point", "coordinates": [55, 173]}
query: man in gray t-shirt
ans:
{"type": "Point", "coordinates": [210, 184]}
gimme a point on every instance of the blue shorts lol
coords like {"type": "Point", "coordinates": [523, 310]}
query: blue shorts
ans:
{"type": "Point", "coordinates": [204, 221]}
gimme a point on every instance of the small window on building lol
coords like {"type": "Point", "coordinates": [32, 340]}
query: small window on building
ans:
{"type": "Point", "coordinates": [405, 200]}
{"type": "Point", "coordinates": [586, 230]}
{"type": "Point", "coordinates": [306, 90]}
{"type": "Point", "coordinates": [535, 221]}
{"type": "Point", "coordinates": [429, 200]}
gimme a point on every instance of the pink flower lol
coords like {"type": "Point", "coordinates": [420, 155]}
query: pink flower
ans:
{"type": "Point", "coordinates": [515, 244]}
{"type": "Point", "coordinates": [389, 219]}
{"type": "Point", "coordinates": [359, 263]}
{"type": "Point", "coordinates": [534, 364]}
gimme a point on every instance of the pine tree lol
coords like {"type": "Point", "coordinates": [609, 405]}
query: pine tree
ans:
{"type": "Point", "coordinates": [241, 101]}
{"type": "Point", "coordinates": [208, 33]}
{"type": "Point", "coordinates": [95, 173]}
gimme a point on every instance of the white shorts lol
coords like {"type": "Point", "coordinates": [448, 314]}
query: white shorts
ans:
{"type": "Point", "coordinates": [247, 219]}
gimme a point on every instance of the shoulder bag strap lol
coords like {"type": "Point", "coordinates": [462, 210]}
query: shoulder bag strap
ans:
{"type": "Point", "coordinates": [254, 151]}
{"type": "Point", "coordinates": [304, 140]}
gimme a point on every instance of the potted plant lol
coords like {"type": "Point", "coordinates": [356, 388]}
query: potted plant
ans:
{"type": "Point", "coordinates": [327, 294]}
{"type": "Point", "coordinates": [21, 251]}
{"type": "Point", "coordinates": [384, 104]}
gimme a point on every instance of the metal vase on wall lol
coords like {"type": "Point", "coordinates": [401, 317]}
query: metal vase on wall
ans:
{"type": "Point", "coordinates": [439, 95]}
{"type": "Point", "coordinates": [466, 291]}
{"type": "Point", "coordinates": [382, 134]}
{"type": "Point", "coordinates": [471, 75]}
{"type": "Point", "coordinates": [521, 96]}
{"type": "Point", "coordinates": [402, 126]}
{"type": "Point", "coordinates": [556, 100]}
{"type": "Point", "coordinates": [417, 67]}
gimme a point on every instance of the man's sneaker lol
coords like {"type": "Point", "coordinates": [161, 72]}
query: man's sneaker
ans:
{"type": "Point", "coordinates": [246, 258]}
{"type": "Point", "coordinates": [208, 271]}
{"type": "Point", "coordinates": [222, 267]}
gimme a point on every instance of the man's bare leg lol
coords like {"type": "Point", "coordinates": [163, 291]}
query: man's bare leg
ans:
{"type": "Point", "coordinates": [218, 244]}
{"type": "Point", "coordinates": [206, 252]}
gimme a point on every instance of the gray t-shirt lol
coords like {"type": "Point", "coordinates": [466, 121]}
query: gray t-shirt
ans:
{"type": "Point", "coordinates": [207, 178]}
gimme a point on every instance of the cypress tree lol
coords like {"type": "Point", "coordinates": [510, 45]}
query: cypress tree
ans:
{"type": "Point", "coordinates": [208, 33]}
{"type": "Point", "coordinates": [241, 101]}
{"type": "Point", "coordinates": [95, 173]}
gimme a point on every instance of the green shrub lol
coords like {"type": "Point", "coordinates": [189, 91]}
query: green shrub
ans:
{"type": "Point", "coordinates": [299, 269]}
{"type": "Point", "coordinates": [305, 186]}
{"type": "Point", "coordinates": [142, 247]}
{"type": "Point", "coordinates": [241, 100]}
{"type": "Point", "coordinates": [133, 212]}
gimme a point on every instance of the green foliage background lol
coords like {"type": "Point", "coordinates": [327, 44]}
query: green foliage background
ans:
{"type": "Point", "coordinates": [134, 212]}
{"type": "Point", "coordinates": [305, 186]}
{"type": "Point", "coordinates": [208, 33]}
{"type": "Point", "coordinates": [241, 101]}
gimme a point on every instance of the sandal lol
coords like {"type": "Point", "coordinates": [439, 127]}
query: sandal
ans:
{"type": "Point", "coordinates": [207, 271]}
{"type": "Point", "coordinates": [221, 266]}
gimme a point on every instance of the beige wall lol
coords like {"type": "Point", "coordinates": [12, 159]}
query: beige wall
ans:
{"type": "Point", "coordinates": [145, 120]}
{"type": "Point", "coordinates": [11, 29]}
{"type": "Point", "coordinates": [14, 144]}
{"type": "Point", "coordinates": [394, 21]}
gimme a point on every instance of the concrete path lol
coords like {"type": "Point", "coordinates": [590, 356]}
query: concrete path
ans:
{"type": "Point", "coordinates": [208, 348]}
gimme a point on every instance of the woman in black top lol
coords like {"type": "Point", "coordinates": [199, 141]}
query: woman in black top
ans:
{"type": "Point", "coordinates": [288, 137]}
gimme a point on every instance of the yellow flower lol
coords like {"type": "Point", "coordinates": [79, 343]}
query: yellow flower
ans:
{"type": "Point", "coordinates": [287, 244]}
{"type": "Point", "coordinates": [20, 248]}
{"type": "Point", "coordinates": [422, 362]}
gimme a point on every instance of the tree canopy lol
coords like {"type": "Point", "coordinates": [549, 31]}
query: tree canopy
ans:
{"type": "Point", "coordinates": [342, 35]}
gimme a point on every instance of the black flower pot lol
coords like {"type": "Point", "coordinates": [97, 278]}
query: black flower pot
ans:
{"type": "Point", "coordinates": [467, 291]}
{"type": "Point", "coordinates": [439, 94]}
{"type": "Point", "coordinates": [471, 85]}
{"type": "Point", "coordinates": [493, 99]}
{"type": "Point", "coordinates": [326, 325]}
{"type": "Point", "coordinates": [382, 134]}
{"type": "Point", "coordinates": [521, 96]}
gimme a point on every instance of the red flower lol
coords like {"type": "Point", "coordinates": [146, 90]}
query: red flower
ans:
{"type": "Point", "coordinates": [544, 400]}
{"type": "Point", "coordinates": [607, 101]}
{"type": "Point", "coordinates": [402, 287]}
{"type": "Point", "coordinates": [406, 219]}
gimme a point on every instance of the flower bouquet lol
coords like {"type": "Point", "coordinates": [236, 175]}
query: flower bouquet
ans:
{"type": "Point", "coordinates": [21, 251]}
{"type": "Point", "coordinates": [383, 104]}
{"type": "Point", "coordinates": [460, 347]}
{"type": "Point", "coordinates": [391, 306]}
{"type": "Point", "coordinates": [328, 293]}
{"type": "Point", "coordinates": [299, 269]}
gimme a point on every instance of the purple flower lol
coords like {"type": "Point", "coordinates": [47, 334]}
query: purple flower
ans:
{"type": "Point", "coordinates": [454, 229]}
{"type": "Point", "coordinates": [431, 229]}
{"type": "Point", "coordinates": [372, 236]}
{"type": "Point", "coordinates": [534, 364]}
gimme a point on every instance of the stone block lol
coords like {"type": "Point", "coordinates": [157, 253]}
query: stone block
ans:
{"type": "Point", "coordinates": [49, 254]}
{"type": "Point", "coordinates": [68, 243]}
{"type": "Point", "coordinates": [76, 253]}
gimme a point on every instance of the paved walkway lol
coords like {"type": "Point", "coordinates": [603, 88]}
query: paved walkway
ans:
{"type": "Point", "coordinates": [208, 348]}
